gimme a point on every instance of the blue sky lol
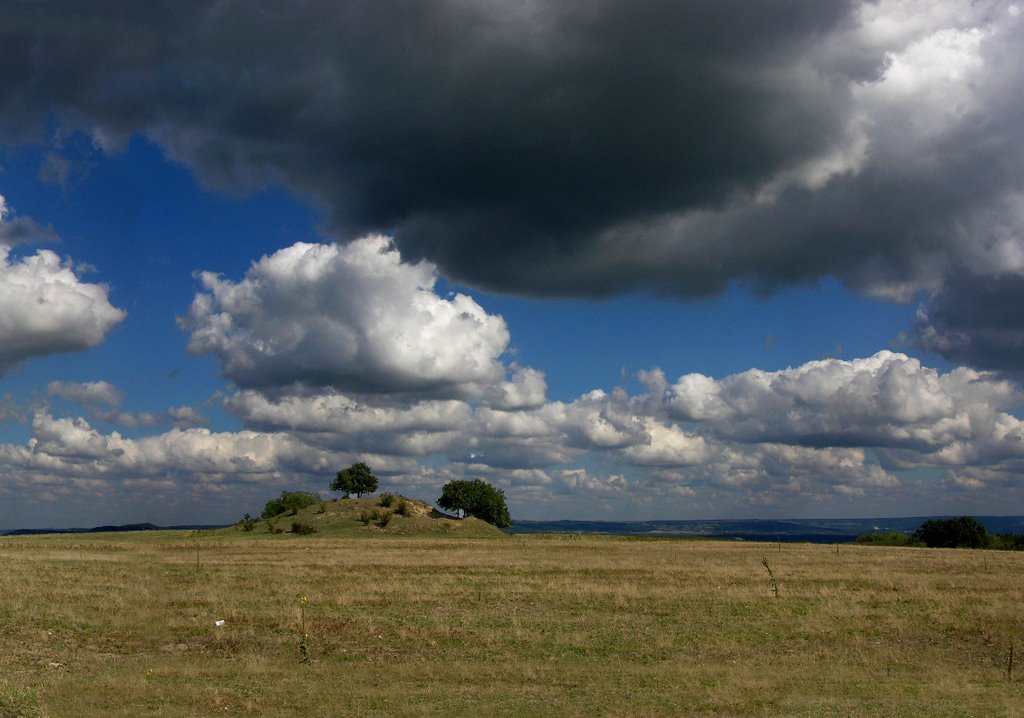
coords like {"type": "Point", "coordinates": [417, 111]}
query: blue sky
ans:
{"type": "Point", "coordinates": [790, 295]}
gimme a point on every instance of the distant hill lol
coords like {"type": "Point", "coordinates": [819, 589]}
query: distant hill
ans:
{"type": "Point", "coordinates": [111, 529]}
{"type": "Point", "coordinates": [812, 530]}
{"type": "Point", "coordinates": [343, 517]}
{"type": "Point", "coordinates": [366, 517]}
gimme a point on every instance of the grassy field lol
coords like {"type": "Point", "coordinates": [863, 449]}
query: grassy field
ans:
{"type": "Point", "coordinates": [124, 625]}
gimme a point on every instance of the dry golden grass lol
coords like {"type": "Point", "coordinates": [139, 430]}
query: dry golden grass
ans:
{"type": "Point", "coordinates": [529, 626]}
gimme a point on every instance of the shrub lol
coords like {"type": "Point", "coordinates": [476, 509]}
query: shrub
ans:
{"type": "Point", "coordinates": [248, 523]}
{"type": "Point", "coordinates": [375, 516]}
{"type": "Point", "coordinates": [387, 500]}
{"type": "Point", "coordinates": [302, 529]}
{"type": "Point", "coordinates": [403, 508]}
{"type": "Point", "coordinates": [1007, 542]}
{"type": "Point", "coordinates": [892, 538]}
{"type": "Point", "coordinates": [290, 501]}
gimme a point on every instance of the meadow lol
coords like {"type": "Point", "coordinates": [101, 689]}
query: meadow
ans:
{"type": "Point", "coordinates": [125, 625]}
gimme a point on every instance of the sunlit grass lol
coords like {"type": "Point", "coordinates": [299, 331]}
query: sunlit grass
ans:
{"type": "Point", "coordinates": [125, 626]}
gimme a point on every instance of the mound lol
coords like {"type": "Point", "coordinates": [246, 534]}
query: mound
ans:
{"type": "Point", "coordinates": [369, 517]}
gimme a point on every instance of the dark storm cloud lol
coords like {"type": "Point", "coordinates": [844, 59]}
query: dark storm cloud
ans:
{"type": "Point", "coordinates": [571, 148]}
{"type": "Point", "coordinates": [977, 321]}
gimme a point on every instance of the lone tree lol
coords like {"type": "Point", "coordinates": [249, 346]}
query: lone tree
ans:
{"type": "Point", "coordinates": [357, 479]}
{"type": "Point", "coordinates": [963, 532]}
{"type": "Point", "coordinates": [476, 498]}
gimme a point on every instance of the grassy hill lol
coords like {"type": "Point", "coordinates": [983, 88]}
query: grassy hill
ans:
{"type": "Point", "coordinates": [366, 517]}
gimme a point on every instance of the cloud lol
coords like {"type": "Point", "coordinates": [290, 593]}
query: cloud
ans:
{"type": "Point", "coordinates": [130, 419]}
{"type": "Point", "coordinates": [825, 428]}
{"type": "Point", "coordinates": [90, 393]}
{"type": "Point", "coordinates": [338, 421]}
{"type": "Point", "coordinates": [355, 318]}
{"type": "Point", "coordinates": [976, 320]}
{"type": "Point", "coordinates": [22, 230]}
{"type": "Point", "coordinates": [575, 148]}
{"type": "Point", "coordinates": [9, 408]}
{"type": "Point", "coordinates": [46, 309]}
{"type": "Point", "coordinates": [184, 417]}
{"type": "Point", "coordinates": [72, 448]}
{"type": "Point", "coordinates": [97, 394]}
{"type": "Point", "coordinates": [819, 434]}
{"type": "Point", "coordinates": [346, 352]}
{"type": "Point", "coordinates": [527, 390]}
{"type": "Point", "coordinates": [888, 400]}
{"type": "Point", "coordinates": [667, 446]}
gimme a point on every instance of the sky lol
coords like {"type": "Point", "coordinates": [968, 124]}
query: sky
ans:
{"type": "Point", "coordinates": [624, 260]}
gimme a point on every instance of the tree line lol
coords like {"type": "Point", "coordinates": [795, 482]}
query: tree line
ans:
{"type": "Point", "coordinates": [961, 532]}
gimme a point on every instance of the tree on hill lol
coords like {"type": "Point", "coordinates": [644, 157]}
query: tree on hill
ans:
{"type": "Point", "coordinates": [454, 496]}
{"type": "Point", "coordinates": [357, 479]}
{"type": "Point", "coordinates": [964, 532]}
{"type": "Point", "coordinates": [476, 498]}
{"type": "Point", "coordinates": [290, 501]}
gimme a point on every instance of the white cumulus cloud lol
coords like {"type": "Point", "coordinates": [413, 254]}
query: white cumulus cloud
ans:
{"type": "Point", "coordinates": [886, 400]}
{"type": "Point", "coordinates": [45, 308]}
{"type": "Point", "coordinates": [352, 317]}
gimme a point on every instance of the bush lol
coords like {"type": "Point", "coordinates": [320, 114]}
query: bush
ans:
{"type": "Point", "coordinates": [290, 501]}
{"type": "Point", "coordinates": [302, 529]}
{"type": "Point", "coordinates": [376, 517]}
{"type": "Point", "coordinates": [387, 500]}
{"type": "Point", "coordinates": [403, 508]}
{"type": "Point", "coordinates": [248, 523]}
{"type": "Point", "coordinates": [892, 538]}
{"type": "Point", "coordinates": [1007, 542]}
{"type": "Point", "coordinates": [964, 532]}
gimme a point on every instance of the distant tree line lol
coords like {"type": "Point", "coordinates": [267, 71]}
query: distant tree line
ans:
{"type": "Point", "coordinates": [962, 532]}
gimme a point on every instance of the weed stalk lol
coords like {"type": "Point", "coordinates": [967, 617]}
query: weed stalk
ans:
{"type": "Point", "coordinates": [771, 576]}
{"type": "Point", "coordinates": [304, 637]}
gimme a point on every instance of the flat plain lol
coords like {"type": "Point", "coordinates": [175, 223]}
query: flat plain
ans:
{"type": "Point", "coordinates": [126, 625]}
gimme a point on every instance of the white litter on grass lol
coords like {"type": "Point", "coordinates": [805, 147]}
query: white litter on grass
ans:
{"type": "Point", "coordinates": [219, 623]}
